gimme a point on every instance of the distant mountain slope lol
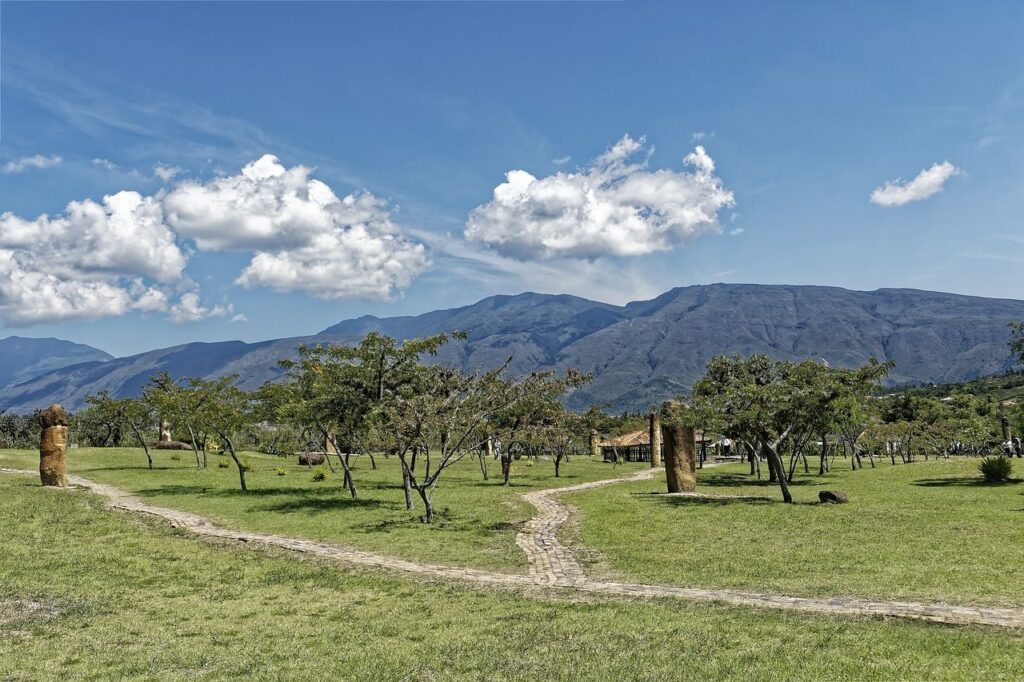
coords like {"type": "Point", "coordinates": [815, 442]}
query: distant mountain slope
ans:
{"type": "Point", "coordinates": [23, 358]}
{"type": "Point", "coordinates": [640, 354]}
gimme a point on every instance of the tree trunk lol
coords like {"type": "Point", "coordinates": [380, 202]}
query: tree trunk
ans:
{"type": "Point", "coordinates": [142, 442]}
{"type": "Point", "coordinates": [775, 464]}
{"type": "Point", "coordinates": [486, 451]}
{"type": "Point", "coordinates": [195, 447]}
{"type": "Point", "coordinates": [238, 464]}
{"type": "Point", "coordinates": [558, 466]}
{"type": "Point", "coordinates": [428, 506]}
{"type": "Point", "coordinates": [823, 464]}
{"type": "Point", "coordinates": [506, 466]}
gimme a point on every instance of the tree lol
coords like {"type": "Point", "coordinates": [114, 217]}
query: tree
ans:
{"type": "Point", "coordinates": [136, 414]}
{"type": "Point", "coordinates": [450, 411]}
{"type": "Point", "coordinates": [229, 410]}
{"type": "Point", "coordinates": [765, 401]}
{"type": "Point", "coordinates": [183, 402]}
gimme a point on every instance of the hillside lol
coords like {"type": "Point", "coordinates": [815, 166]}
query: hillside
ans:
{"type": "Point", "coordinates": [23, 358]}
{"type": "Point", "coordinates": [640, 353]}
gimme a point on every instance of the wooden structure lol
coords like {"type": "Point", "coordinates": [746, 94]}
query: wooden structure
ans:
{"type": "Point", "coordinates": [629, 447]}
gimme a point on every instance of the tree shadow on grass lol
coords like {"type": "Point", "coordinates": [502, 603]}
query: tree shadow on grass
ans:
{"type": "Point", "coordinates": [744, 481]}
{"type": "Point", "coordinates": [973, 482]}
{"type": "Point", "coordinates": [294, 499]}
{"type": "Point", "coordinates": [676, 500]}
{"type": "Point", "coordinates": [308, 503]}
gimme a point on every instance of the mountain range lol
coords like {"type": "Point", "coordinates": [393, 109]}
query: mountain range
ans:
{"type": "Point", "coordinates": [640, 353]}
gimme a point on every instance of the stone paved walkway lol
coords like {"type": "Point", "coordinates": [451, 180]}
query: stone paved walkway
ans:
{"type": "Point", "coordinates": [569, 577]}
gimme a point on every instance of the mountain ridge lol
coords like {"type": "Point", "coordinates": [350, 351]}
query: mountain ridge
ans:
{"type": "Point", "coordinates": [640, 353]}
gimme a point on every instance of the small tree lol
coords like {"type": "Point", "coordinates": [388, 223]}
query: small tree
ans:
{"type": "Point", "coordinates": [229, 411]}
{"type": "Point", "coordinates": [134, 413]}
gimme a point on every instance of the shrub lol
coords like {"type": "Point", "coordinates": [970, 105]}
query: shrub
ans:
{"type": "Point", "coordinates": [222, 464]}
{"type": "Point", "coordinates": [996, 469]}
{"type": "Point", "coordinates": [247, 464]}
{"type": "Point", "coordinates": [319, 474]}
{"type": "Point", "coordinates": [281, 471]}
{"type": "Point", "coordinates": [175, 458]}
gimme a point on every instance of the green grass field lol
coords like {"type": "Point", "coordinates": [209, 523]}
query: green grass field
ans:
{"type": "Point", "coordinates": [476, 525]}
{"type": "Point", "coordinates": [928, 531]}
{"type": "Point", "coordinates": [86, 593]}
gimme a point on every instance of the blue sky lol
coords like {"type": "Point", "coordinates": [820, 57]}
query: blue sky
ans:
{"type": "Point", "coordinates": [419, 110]}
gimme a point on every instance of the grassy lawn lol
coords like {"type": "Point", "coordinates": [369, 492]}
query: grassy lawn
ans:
{"type": "Point", "coordinates": [87, 593]}
{"type": "Point", "coordinates": [476, 525]}
{"type": "Point", "coordinates": [925, 531]}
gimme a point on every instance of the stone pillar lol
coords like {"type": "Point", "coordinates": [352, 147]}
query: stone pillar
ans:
{"type": "Point", "coordinates": [53, 447]}
{"type": "Point", "coordinates": [680, 457]}
{"type": "Point", "coordinates": [165, 431]}
{"type": "Point", "coordinates": [1004, 423]}
{"type": "Point", "coordinates": [655, 433]}
{"type": "Point", "coordinates": [595, 444]}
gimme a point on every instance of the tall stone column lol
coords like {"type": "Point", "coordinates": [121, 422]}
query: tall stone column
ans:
{"type": "Point", "coordinates": [165, 431]}
{"type": "Point", "coordinates": [655, 433]}
{"type": "Point", "coordinates": [53, 447]}
{"type": "Point", "coordinates": [595, 444]}
{"type": "Point", "coordinates": [680, 456]}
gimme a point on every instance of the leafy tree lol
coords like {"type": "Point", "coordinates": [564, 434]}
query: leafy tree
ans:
{"type": "Point", "coordinates": [765, 401]}
{"type": "Point", "coordinates": [134, 413]}
{"type": "Point", "coordinates": [228, 411]}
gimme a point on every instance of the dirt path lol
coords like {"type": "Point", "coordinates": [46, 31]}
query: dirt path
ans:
{"type": "Point", "coordinates": [570, 577]}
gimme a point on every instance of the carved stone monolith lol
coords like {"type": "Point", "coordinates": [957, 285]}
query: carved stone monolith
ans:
{"type": "Point", "coordinates": [165, 431]}
{"type": "Point", "coordinates": [595, 443]}
{"type": "Point", "coordinates": [680, 454]}
{"type": "Point", "coordinates": [53, 447]}
{"type": "Point", "coordinates": [655, 432]}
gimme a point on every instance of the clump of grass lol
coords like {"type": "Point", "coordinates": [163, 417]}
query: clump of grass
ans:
{"type": "Point", "coordinates": [247, 464]}
{"type": "Point", "coordinates": [281, 471]}
{"type": "Point", "coordinates": [222, 464]}
{"type": "Point", "coordinates": [996, 469]}
{"type": "Point", "coordinates": [175, 458]}
{"type": "Point", "coordinates": [320, 474]}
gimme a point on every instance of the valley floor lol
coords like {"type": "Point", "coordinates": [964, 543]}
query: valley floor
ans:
{"type": "Point", "coordinates": [311, 614]}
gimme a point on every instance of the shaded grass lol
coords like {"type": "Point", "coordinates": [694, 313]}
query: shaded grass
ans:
{"type": "Point", "coordinates": [476, 522]}
{"type": "Point", "coordinates": [128, 598]}
{"type": "Point", "coordinates": [925, 531]}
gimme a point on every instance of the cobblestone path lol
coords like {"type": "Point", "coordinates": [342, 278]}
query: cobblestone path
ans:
{"type": "Point", "coordinates": [570, 577]}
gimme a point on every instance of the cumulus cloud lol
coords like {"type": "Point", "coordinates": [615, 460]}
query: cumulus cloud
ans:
{"type": "Point", "coordinates": [615, 207]}
{"type": "Point", "coordinates": [928, 182]}
{"type": "Point", "coordinates": [189, 308]}
{"type": "Point", "coordinates": [94, 260]}
{"type": "Point", "coordinates": [303, 236]}
{"type": "Point", "coordinates": [27, 162]}
{"type": "Point", "coordinates": [106, 164]}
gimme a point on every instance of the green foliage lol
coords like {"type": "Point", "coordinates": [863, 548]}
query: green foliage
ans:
{"type": "Point", "coordinates": [281, 471]}
{"type": "Point", "coordinates": [320, 474]}
{"type": "Point", "coordinates": [996, 469]}
{"type": "Point", "coordinates": [223, 463]}
{"type": "Point", "coordinates": [175, 457]}
{"type": "Point", "coordinates": [246, 464]}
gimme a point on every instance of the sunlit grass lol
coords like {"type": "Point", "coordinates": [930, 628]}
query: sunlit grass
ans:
{"type": "Point", "coordinates": [86, 593]}
{"type": "Point", "coordinates": [926, 531]}
{"type": "Point", "coordinates": [476, 524]}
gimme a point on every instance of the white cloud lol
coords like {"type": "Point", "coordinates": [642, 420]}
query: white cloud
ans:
{"type": "Point", "coordinates": [927, 183]}
{"type": "Point", "coordinates": [561, 160]}
{"type": "Point", "coordinates": [27, 162]}
{"type": "Point", "coordinates": [166, 173]}
{"type": "Point", "coordinates": [304, 237]}
{"type": "Point", "coordinates": [94, 260]}
{"type": "Point", "coordinates": [190, 309]}
{"type": "Point", "coordinates": [106, 164]}
{"type": "Point", "coordinates": [238, 318]}
{"type": "Point", "coordinates": [615, 207]}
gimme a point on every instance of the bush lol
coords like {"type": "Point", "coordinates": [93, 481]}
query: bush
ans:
{"type": "Point", "coordinates": [320, 474]}
{"type": "Point", "coordinates": [247, 464]}
{"type": "Point", "coordinates": [281, 471]}
{"type": "Point", "coordinates": [996, 469]}
{"type": "Point", "coordinates": [175, 458]}
{"type": "Point", "coordinates": [222, 464]}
